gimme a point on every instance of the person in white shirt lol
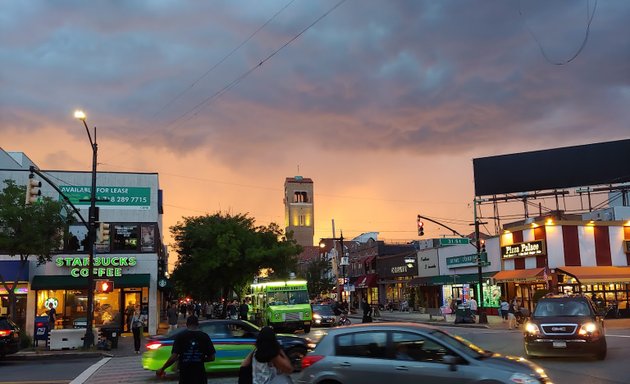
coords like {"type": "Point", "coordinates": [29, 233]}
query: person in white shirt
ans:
{"type": "Point", "coordinates": [473, 306]}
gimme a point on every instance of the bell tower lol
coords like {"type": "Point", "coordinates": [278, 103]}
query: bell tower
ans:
{"type": "Point", "coordinates": [298, 209]}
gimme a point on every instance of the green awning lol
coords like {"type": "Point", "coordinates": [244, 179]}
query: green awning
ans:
{"type": "Point", "coordinates": [469, 278]}
{"type": "Point", "coordinates": [69, 282]}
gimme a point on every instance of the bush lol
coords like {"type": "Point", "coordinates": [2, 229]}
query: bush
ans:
{"type": "Point", "coordinates": [25, 340]}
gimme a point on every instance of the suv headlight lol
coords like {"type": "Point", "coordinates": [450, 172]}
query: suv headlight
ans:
{"type": "Point", "coordinates": [522, 378]}
{"type": "Point", "coordinates": [589, 328]}
{"type": "Point", "coordinates": [316, 316]}
{"type": "Point", "coordinates": [532, 328]}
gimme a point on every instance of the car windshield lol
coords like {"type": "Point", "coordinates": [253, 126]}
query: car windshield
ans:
{"type": "Point", "coordinates": [554, 308]}
{"type": "Point", "coordinates": [286, 298]}
{"type": "Point", "coordinates": [460, 344]}
{"type": "Point", "coordinates": [323, 309]}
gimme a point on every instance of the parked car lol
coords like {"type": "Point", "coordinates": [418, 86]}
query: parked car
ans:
{"type": "Point", "coordinates": [9, 337]}
{"type": "Point", "coordinates": [233, 341]}
{"type": "Point", "coordinates": [565, 326]}
{"type": "Point", "coordinates": [409, 353]}
{"type": "Point", "coordinates": [323, 315]}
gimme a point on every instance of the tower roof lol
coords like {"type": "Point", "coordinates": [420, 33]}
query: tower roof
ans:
{"type": "Point", "coordinates": [298, 179]}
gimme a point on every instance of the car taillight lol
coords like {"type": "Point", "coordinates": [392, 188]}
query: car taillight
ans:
{"type": "Point", "coordinates": [5, 332]}
{"type": "Point", "coordinates": [154, 345]}
{"type": "Point", "coordinates": [309, 360]}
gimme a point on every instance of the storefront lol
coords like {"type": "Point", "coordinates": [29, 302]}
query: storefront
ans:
{"type": "Point", "coordinates": [608, 287]}
{"type": "Point", "coordinates": [522, 285]}
{"type": "Point", "coordinates": [63, 283]}
{"type": "Point", "coordinates": [365, 286]}
{"type": "Point", "coordinates": [394, 273]}
{"type": "Point", "coordinates": [12, 273]}
{"type": "Point", "coordinates": [549, 255]}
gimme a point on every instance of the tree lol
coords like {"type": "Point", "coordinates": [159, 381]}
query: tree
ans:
{"type": "Point", "coordinates": [28, 230]}
{"type": "Point", "coordinates": [316, 272]}
{"type": "Point", "coordinates": [222, 253]}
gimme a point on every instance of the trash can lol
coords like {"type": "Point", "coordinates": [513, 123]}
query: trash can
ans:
{"type": "Point", "coordinates": [111, 334]}
{"type": "Point", "coordinates": [463, 314]}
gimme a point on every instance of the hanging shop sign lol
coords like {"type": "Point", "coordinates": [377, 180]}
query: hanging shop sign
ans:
{"type": "Point", "coordinates": [110, 197]}
{"type": "Point", "coordinates": [529, 248]}
{"type": "Point", "coordinates": [104, 266]}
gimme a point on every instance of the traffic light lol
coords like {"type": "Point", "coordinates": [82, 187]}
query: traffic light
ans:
{"type": "Point", "coordinates": [161, 268]}
{"type": "Point", "coordinates": [33, 190]}
{"type": "Point", "coordinates": [104, 286]}
{"type": "Point", "coordinates": [420, 226]}
{"type": "Point", "coordinates": [102, 234]}
{"type": "Point", "coordinates": [482, 246]}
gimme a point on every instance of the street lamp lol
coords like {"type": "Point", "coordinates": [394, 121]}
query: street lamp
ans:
{"type": "Point", "coordinates": [88, 340]}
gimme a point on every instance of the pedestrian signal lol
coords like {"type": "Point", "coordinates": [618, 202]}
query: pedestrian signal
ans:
{"type": "Point", "coordinates": [105, 286]}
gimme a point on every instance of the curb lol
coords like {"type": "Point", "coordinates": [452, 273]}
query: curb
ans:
{"type": "Point", "coordinates": [52, 355]}
{"type": "Point", "coordinates": [434, 323]}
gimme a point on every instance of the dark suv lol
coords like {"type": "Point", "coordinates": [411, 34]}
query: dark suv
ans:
{"type": "Point", "coordinates": [565, 326]}
{"type": "Point", "coordinates": [9, 337]}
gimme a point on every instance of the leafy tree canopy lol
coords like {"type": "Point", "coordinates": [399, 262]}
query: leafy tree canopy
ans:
{"type": "Point", "coordinates": [318, 283]}
{"type": "Point", "coordinates": [220, 253]}
{"type": "Point", "coordinates": [29, 230]}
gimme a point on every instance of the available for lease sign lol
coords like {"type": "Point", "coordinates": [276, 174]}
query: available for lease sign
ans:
{"type": "Point", "coordinates": [109, 197]}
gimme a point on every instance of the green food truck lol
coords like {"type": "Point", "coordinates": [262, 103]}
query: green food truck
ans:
{"type": "Point", "coordinates": [282, 305]}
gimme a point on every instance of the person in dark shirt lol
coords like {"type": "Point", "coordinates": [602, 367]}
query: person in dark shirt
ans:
{"type": "Point", "coordinates": [244, 309]}
{"type": "Point", "coordinates": [191, 348]}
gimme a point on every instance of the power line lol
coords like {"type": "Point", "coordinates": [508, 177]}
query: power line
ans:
{"type": "Point", "coordinates": [589, 18]}
{"type": "Point", "coordinates": [222, 60]}
{"type": "Point", "coordinates": [204, 103]}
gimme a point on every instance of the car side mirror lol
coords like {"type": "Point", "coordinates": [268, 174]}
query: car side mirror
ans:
{"type": "Point", "coordinates": [451, 361]}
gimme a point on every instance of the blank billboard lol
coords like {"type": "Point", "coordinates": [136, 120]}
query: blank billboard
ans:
{"type": "Point", "coordinates": [582, 165]}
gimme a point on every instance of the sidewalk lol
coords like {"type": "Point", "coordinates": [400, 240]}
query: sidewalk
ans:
{"type": "Point", "coordinates": [494, 321]}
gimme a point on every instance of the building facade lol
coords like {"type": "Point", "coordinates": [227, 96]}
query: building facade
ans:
{"type": "Point", "coordinates": [299, 209]}
{"type": "Point", "coordinates": [131, 203]}
{"type": "Point", "coordinates": [567, 256]}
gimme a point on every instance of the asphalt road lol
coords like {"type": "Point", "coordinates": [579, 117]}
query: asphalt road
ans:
{"type": "Point", "coordinates": [52, 371]}
{"type": "Point", "coordinates": [613, 370]}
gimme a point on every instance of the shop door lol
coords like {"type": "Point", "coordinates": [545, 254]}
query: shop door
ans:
{"type": "Point", "coordinates": [131, 299]}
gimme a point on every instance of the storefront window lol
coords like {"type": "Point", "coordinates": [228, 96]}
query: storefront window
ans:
{"type": "Point", "coordinates": [148, 238]}
{"type": "Point", "coordinates": [125, 237]}
{"type": "Point", "coordinates": [71, 306]}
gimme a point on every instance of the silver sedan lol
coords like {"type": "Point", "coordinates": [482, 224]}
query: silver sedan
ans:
{"type": "Point", "coordinates": [407, 353]}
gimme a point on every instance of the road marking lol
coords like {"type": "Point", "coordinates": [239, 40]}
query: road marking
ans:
{"type": "Point", "coordinates": [90, 371]}
{"type": "Point", "coordinates": [36, 382]}
{"type": "Point", "coordinates": [608, 334]}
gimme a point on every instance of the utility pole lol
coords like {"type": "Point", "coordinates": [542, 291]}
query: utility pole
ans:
{"type": "Point", "coordinates": [88, 340]}
{"type": "Point", "coordinates": [483, 317]}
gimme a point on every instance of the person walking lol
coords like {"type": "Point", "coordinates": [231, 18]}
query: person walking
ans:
{"type": "Point", "coordinates": [137, 324]}
{"type": "Point", "coordinates": [191, 348]}
{"type": "Point", "coordinates": [512, 314]}
{"type": "Point", "coordinates": [367, 311]}
{"type": "Point", "coordinates": [473, 307]}
{"type": "Point", "coordinates": [172, 314]}
{"type": "Point", "coordinates": [504, 309]}
{"type": "Point", "coordinates": [269, 363]}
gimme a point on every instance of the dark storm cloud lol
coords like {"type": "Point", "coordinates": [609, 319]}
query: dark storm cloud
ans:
{"type": "Point", "coordinates": [413, 76]}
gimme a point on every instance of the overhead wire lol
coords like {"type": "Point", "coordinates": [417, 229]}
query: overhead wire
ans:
{"type": "Point", "coordinates": [227, 56]}
{"type": "Point", "coordinates": [589, 18]}
{"type": "Point", "coordinates": [204, 103]}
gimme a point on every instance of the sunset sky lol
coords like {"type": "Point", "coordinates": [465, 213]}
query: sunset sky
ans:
{"type": "Point", "coordinates": [384, 104]}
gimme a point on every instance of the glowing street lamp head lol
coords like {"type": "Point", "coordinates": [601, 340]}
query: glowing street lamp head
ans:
{"type": "Point", "coordinates": [79, 114]}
